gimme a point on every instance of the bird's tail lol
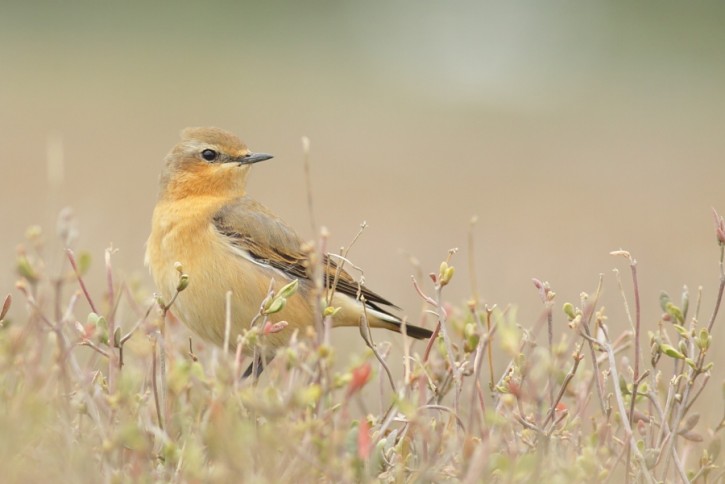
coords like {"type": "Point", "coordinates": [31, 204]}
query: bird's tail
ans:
{"type": "Point", "coordinates": [410, 329]}
{"type": "Point", "coordinates": [379, 319]}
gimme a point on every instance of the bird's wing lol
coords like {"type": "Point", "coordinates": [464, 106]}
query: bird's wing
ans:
{"type": "Point", "coordinates": [252, 227]}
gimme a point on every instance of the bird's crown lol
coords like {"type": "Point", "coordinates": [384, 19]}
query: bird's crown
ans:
{"type": "Point", "coordinates": [214, 137]}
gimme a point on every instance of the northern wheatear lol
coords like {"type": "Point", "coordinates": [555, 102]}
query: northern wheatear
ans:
{"type": "Point", "coordinates": [226, 241]}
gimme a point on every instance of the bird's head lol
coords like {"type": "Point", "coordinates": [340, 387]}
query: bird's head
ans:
{"type": "Point", "coordinates": [207, 161]}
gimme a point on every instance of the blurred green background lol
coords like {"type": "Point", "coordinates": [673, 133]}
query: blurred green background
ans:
{"type": "Point", "coordinates": [570, 128]}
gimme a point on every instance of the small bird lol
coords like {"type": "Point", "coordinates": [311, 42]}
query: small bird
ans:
{"type": "Point", "coordinates": [227, 241]}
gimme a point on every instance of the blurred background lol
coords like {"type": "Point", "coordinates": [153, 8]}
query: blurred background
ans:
{"type": "Point", "coordinates": [569, 129]}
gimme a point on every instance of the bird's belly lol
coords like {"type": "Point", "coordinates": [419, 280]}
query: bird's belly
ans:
{"type": "Point", "coordinates": [215, 268]}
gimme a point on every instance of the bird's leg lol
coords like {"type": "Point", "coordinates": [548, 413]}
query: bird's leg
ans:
{"type": "Point", "coordinates": [256, 367]}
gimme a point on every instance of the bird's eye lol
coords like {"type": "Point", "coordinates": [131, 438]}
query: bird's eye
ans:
{"type": "Point", "coordinates": [209, 155]}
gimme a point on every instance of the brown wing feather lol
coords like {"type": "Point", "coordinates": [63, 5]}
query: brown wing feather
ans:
{"type": "Point", "coordinates": [267, 238]}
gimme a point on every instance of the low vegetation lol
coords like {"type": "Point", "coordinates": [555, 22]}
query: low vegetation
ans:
{"type": "Point", "coordinates": [110, 389]}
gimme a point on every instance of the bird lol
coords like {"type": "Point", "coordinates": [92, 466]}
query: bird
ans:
{"type": "Point", "coordinates": [205, 222]}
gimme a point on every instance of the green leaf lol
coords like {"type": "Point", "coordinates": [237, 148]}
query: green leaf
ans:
{"type": "Point", "coordinates": [703, 339]}
{"type": "Point", "coordinates": [289, 289]}
{"type": "Point", "coordinates": [276, 306]}
{"type": "Point", "coordinates": [569, 310]}
{"type": "Point", "coordinates": [671, 352]}
{"type": "Point", "coordinates": [664, 300]}
{"type": "Point", "coordinates": [675, 312]}
{"type": "Point", "coordinates": [183, 282]}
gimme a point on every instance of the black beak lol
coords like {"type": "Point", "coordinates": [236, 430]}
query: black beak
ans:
{"type": "Point", "coordinates": [250, 158]}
